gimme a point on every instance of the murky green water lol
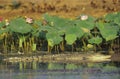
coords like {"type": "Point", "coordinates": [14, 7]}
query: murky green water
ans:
{"type": "Point", "coordinates": [37, 70]}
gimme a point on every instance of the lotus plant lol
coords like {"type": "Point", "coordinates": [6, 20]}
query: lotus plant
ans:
{"type": "Point", "coordinates": [53, 33]}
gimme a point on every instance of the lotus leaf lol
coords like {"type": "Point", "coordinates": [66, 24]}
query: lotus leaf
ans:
{"type": "Point", "coordinates": [117, 19]}
{"type": "Point", "coordinates": [110, 16]}
{"type": "Point", "coordinates": [113, 17]}
{"type": "Point", "coordinates": [55, 21]}
{"type": "Point", "coordinates": [2, 24]}
{"type": "Point", "coordinates": [108, 31]}
{"type": "Point", "coordinates": [71, 28]}
{"type": "Point", "coordinates": [86, 24]}
{"type": "Point", "coordinates": [38, 23]}
{"type": "Point", "coordinates": [19, 25]}
{"type": "Point", "coordinates": [3, 31]}
{"type": "Point", "coordinates": [53, 38]}
{"type": "Point", "coordinates": [70, 38]}
{"type": "Point", "coordinates": [37, 27]}
{"type": "Point", "coordinates": [95, 40]}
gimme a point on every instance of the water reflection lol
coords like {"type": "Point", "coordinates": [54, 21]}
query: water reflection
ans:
{"type": "Point", "coordinates": [37, 70]}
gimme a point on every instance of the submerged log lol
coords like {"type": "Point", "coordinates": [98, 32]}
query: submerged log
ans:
{"type": "Point", "coordinates": [63, 58]}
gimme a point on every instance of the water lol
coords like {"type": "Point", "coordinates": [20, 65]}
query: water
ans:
{"type": "Point", "coordinates": [38, 70]}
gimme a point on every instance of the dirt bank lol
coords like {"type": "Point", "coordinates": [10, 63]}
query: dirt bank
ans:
{"type": "Point", "coordinates": [63, 8]}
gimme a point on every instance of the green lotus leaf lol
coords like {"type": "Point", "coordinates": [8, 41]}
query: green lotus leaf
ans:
{"type": "Point", "coordinates": [113, 17]}
{"type": "Point", "coordinates": [111, 37]}
{"type": "Point", "coordinates": [91, 19]}
{"type": "Point", "coordinates": [53, 38]}
{"type": "Point", "coordinates": [3, 31]}
{"type": "Point", "coordinates": [72, 28]}
{"type": "Point", "coordinates": [47, 29]}
{"type": "Point", "coordinates": [57, 40]}
{"type": "Point", "coordinates": [55, 21]}
{"type": "Point", "coordinates": [70, 38]}
{"type": "Point", "coordinates": [2, 24]}
{"type": "Point", "coordinates": [110, 16]}
{"type": "Point", "coordinates": [53, 41]}
{"type": "Point", "coordinates": [19, 25]}
{"type": "Point", "coordinates": [108, 31]}
{"type": "Point", "coordinates": [117, 19]}
{"type": "Point", "coordinates": [38, 23]}
{"type": "Point", "coordinates": [95, 40]}
{"type": "Point", "coordinates": [86, 24]}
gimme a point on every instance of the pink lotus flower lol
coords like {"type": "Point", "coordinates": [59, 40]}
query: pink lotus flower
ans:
{"type": "Point", "coordinates": [29, 20]}
{"type": "Point", "coordinates": [84, 17]}
{"type": "Point", "coordinates": [1, 19]}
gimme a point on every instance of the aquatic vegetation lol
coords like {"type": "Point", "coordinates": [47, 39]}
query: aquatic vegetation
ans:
{"type": "Point", "coordinates": [55, 34]}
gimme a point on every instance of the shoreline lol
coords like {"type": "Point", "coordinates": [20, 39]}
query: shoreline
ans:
{"type": "Point", "coordinates": [61, 58]}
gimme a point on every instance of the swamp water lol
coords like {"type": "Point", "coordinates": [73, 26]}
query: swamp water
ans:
{"type": "Point", "coordinates": [38, 70]}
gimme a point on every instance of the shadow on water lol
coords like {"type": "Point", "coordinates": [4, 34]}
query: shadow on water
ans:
{"type": "Point", "coordinates": [38, 70]}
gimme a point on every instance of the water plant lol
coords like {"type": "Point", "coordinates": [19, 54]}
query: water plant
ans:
{"type": "Point", "coordinates": [55, 34]}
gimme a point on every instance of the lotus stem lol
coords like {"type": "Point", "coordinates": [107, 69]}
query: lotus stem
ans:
{"type": "Point", "coordinates": [55, 48]}
{"type": "Point", "coordinates": [72, 48]}
{"type": "Point", "coordinates": [49, 49]}
{"type": "Point", "coordinates": [95, 48]}
{"type": "Point", "coordinates": [58, 49]}
{"type": "Point", "coordinates": [84, 45]}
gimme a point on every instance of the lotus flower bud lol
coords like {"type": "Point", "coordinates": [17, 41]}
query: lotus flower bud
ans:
{"type": "Point", "coordinates": [6, 22]}
{"type": "Point", "coordinates": [84, 17]}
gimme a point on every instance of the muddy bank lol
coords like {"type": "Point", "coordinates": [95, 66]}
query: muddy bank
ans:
{"type": "Point", "coordinates": [63, 58]}
{"type": "Point", "coordinates": [64, 8]}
